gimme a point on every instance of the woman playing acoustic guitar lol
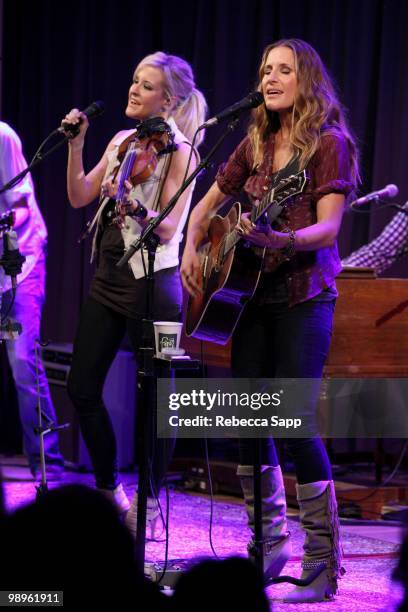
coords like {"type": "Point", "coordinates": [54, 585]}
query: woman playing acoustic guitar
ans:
{"type": "Point", "coordinates": [285, 329]}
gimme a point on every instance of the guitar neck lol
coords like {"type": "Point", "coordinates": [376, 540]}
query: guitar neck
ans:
{"type": "Point", "coordinates": [264, 204]}
{"type": "Point", "coordinates": [256, 213]}
{"type": "Point", "coordinates": [276, 196]}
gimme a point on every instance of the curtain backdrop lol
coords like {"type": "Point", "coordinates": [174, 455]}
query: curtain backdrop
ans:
{"type": "Point", "coordinates": [57, 56]}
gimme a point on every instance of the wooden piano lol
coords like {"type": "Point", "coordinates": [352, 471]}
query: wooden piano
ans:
{"type": "Point", "coordinates": [370, 337]}
{"type": "Point", "coordinates": [370, 340]}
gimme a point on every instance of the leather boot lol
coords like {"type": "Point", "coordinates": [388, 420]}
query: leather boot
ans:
{"type": "Point", "coordinates": [118, 497]}
{"type": "Point", "coordinates": [319, 518]}
{"type": "Point", "coordinates": [152, 516]}
{"type": "Point", "coordinates": [277, 547]}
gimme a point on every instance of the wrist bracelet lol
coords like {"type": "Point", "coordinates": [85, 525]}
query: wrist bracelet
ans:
{"type": "Point", "coordinates": [289, 250]}
{"type": "Point", "coordinates": [140, 212]}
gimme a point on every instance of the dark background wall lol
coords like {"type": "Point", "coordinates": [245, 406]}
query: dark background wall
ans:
{"type": "Point", "coordinates": [57, 56]}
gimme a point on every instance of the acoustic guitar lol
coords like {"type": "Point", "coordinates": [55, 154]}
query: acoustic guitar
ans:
{"type": "Point", "coordinates": [230, 271]}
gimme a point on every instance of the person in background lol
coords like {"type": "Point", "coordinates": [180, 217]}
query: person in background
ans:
{"type": "Point", "coordinates": [27, 307]}
{"type": "Point", "coordinates": [386, 249]}
{"type": "Point", "coordinates": [73, 540]}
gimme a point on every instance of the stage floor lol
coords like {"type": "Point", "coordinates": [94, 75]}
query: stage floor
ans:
{"type": "Point", "coordinates": [370, 550]}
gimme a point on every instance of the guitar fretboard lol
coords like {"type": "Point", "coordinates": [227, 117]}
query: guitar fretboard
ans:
{"type": "Point", "coordinates": [276, 195]}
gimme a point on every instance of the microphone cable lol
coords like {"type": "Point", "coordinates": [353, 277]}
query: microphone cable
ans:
{"type": "Point", "coordinates": [210, 484]}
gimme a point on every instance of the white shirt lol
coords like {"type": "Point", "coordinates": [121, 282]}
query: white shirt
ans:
{"type": "Point", "coordinates": [32, 234]}
{"type": "Point", "coordinates": [167, 254]}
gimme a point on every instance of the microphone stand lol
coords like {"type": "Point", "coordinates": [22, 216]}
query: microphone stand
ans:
{"type": "Point", "coordinates": [37, 159]}
{"type": "Point", "coordinates": [147, 374]}
{"type": "Point", "coordinates": [399, 208]}
{"type": "Point", "coordinates": [43, 430]}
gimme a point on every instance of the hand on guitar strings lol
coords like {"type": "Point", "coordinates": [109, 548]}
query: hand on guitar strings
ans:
{"type": "Point", "coordinates": [261, 236]}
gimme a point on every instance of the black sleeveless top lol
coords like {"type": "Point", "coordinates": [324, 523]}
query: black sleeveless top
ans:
{"type": "Point", "coordinates": [118, 289]}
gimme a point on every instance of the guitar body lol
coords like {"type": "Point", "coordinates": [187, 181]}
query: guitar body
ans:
{"type": "Point", "coordinates": [214, 314]}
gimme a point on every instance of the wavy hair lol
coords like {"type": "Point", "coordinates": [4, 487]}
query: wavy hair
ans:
{"type": "Point", "coordinates": [191, 107]}
{"type": "Point", "coordinates": [316, 110]}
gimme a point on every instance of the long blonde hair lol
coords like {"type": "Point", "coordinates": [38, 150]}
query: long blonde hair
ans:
{"type": "Point", "coordinates": [191, 107]}
{"type": "Point", "coordinates": [316, 110]}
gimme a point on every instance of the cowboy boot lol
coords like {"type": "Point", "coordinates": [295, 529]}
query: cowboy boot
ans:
{"type": "Point", "coordinates": [118, 497]}
{"type": "Point", "coordinates": [277, 547]}
{"type": "Point", "coordinates": [319, 518]}
{"type": "Point", "coordinates": [152, 516]}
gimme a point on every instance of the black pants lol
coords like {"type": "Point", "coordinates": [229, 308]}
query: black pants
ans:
{"type": "Point", "coordinates": [275, 341]}
{"type": "Point", "coordinates": [99, 336]}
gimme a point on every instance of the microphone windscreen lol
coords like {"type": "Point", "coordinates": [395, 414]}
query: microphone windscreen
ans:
{"type": "Point", "coordinates": [95, 109]}
{"type": "Point", "coordinates": [392, 190]}
{"type": "Point", "coordinates": [256, 98]}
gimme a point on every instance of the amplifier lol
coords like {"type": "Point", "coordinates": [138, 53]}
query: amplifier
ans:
{"type": "Point", "coordinates": [119, 395]}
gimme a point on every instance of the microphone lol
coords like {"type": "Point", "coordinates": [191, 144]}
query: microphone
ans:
{"type": "Point", "coordinates": [12, 260]}
{"type": "Point", "coordinates": [390, 191]}
{"type": "Point", "coordinates": [252, 100]}
{"type": "Point", "coordinates": [93, 110]}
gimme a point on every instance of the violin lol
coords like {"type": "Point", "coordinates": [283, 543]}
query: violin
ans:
{"type": "Point", "coordinates": [139, 155]}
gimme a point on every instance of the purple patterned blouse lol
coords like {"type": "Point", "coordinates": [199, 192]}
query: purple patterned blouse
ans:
{"type": "Point", "coordinates": [308, 272]}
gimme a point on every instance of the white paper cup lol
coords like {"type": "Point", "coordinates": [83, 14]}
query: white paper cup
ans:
{"type": "Point", "coordinates": [166, 335]}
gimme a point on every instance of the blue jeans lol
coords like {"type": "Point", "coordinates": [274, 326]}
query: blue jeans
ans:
{"type": "Point", "coordinates": [21, 354]}
{"type": "Point", "coordinates": [275, 341]}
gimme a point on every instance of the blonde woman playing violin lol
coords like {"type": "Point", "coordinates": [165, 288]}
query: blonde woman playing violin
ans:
{"type": "Point", "coordinates": [163, 88]}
